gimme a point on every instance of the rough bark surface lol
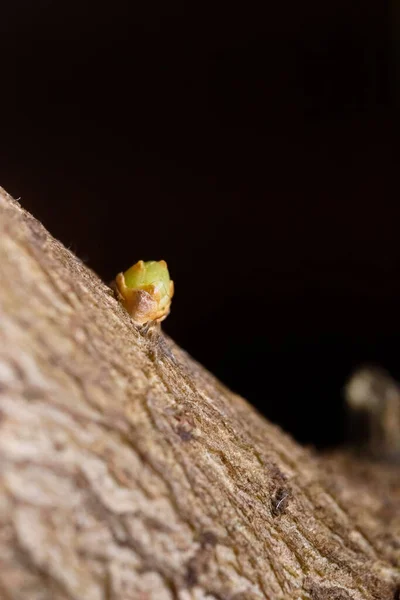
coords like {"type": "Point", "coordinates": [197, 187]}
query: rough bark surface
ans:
{"type": "Point", "coordinates": [128, 472]}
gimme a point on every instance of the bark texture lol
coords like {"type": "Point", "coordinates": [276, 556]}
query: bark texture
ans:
{"type": "Point", "coordinates": [128, 472]}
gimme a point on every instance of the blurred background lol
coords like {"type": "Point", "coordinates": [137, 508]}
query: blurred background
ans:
{"type": "Point", "coordinates": [250, 146]}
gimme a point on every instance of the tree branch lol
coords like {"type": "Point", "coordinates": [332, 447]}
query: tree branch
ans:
{"type": "Point", "coordinates": [128, 472]}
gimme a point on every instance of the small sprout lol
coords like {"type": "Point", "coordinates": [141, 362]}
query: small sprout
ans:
{"type": "Point", "coordinates": [373, 401]}
{"type": "Point", "coordinates": [146, 290]}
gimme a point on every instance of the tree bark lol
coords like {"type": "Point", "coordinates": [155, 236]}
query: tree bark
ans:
{"type": "Point", "coordinates": [127, 471]}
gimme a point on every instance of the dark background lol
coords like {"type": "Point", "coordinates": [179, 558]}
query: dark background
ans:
{"type": "Point", "coordinates": [252, 147]}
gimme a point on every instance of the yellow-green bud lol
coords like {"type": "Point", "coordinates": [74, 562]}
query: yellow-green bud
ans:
{"type": "Point", "coordinates": [146, 291]}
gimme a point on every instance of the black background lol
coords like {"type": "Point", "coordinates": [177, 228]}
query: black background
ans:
{"type": "Point", "coordinates": [252, 147]}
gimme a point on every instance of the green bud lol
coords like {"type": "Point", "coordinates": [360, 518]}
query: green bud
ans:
{"type": "Point", "coordinates": [146, 290]}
